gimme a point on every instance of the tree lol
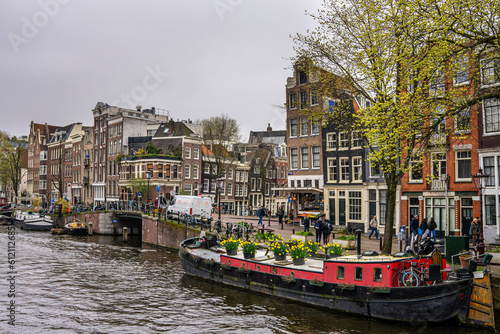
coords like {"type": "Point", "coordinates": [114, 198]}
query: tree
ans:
{"type": "Point", "coordinates": [11, 158]}
{"type": "Point", "coordinates": [393, 54]}
{"type": "Point", "coordinates": [219, 134]}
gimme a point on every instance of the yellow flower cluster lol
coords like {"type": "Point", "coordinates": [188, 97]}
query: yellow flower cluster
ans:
{"type": "Point", "coordinates": [230, 243]}
{"type": "Point", "coordinates": [312, 247]}
{"type": "Point", "coordinates": [298, 250]}
{"type": "Point", "coordinates": [333, 249]}
{"type": "Point", "coordinates": [248, 246]}
{"type": "Point", "coordinates": [279, 248]}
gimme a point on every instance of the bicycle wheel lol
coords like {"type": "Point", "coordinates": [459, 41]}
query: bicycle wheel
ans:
{"type": "Point", "coordinates": [410, 279]}
{"type": "Point", "coordinates": [397, 279]}
{"type": "Point", "coordinates": [473, 251]}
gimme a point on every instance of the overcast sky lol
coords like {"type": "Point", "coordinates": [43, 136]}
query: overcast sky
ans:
{"type": "Point", "coordinates": [195, 59]}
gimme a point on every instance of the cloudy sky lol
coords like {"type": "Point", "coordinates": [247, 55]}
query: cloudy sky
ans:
{"type": "Point", "coordinates": [194, 59]}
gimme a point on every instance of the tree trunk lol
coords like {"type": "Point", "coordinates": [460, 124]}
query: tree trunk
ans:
{"type": "Point", "coordinates": [392, 186]}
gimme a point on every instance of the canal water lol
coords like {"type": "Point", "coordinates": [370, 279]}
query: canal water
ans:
{"type": "Point", "coordinates": [95, 284]}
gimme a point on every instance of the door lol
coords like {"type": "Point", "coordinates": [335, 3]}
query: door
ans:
{"type": "Point", "coordinates": [373, 210]}
{"type": "Point", "coordinates": [341, 211]}
{"type": "Point", "coordinates": [466, 220]}
{"type": "Point", "coordinates": [332, 210]}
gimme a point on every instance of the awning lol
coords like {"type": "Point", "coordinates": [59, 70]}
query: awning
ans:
{"type": "Point", "coordinates": [299, 190]}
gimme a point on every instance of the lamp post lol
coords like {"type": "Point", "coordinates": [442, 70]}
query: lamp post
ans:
{"type": "Point", "coordinates": [480, 180]}
{"type": "Point", "coordinates": [218, 195]}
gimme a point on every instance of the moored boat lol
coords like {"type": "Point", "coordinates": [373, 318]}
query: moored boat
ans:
{"type": "Point", "coordinates": [358, 284]}
{"type": "Point", "coordinates": [32, 221]}
{"type": "Point", "coordinates": [5, 209]}
{"type": "Point", "coordinates": [76, 228]}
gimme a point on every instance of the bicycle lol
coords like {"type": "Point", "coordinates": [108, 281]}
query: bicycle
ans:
{"type": "Point", "coordinates": [416, 274]}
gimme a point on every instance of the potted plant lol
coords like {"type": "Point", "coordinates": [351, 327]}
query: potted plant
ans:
{"type": "Point", "coordinates": [298, 252]}
{"type": "Point", "coordinates": [249, 249]}
{"type": "Point", "coordinates": [231, 246]}
{"type": "Point", "coordinates": [279, 249]}
{"type": "Point", "coordinates": [333, 250]}
{"type": "Point", "coordinates": [312, 247]}
{"type": "Point", "coordinates": [303, 236]}
{"type": "Point", "coordinates": [464, 258]}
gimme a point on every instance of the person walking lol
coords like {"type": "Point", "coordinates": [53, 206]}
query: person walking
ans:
{"type": "Point", "coordinates": [260, 213]}
{"type": "Point", "coordinates": [424, 228]}
{"type": "Point", "coordinates": [318, 227]}
{"type": "Point", "coordinates": [373, 227]}
{"type": "Point", "coordinates": [474, 231]}
{"type": "Point", "coordinates": [307, 222]}
{"type": "Point", "coordinates": [432, 228]}
{"type": "Point", "coordinates": [414, 232]}
{"type": "Point", "coordinates": [281, 213]}
{"type": "Point", "coordinates": [327, 230]}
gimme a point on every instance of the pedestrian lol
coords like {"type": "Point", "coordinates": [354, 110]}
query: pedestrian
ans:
{"type": "Point", "coordinates": [374, 227]}
{"type": "Point", "coordinates": [281, 213]}
{"type": "Point", "coordinates": [307, 222]}
{"type": "Point", "coordinates": [432, 228]}
{"type": "Point", "coordinates": [327, 230]}
{"type": "Point", "coordinates": [414, 232]}
{"type": "Point", "coordinates": [318, 227]}
{"type": "Point", "coordinates": [260, 213]}
{"type": "Point", "coordinates": [424, 228]}
{"type": "Point", "coordinates": [474, 231]}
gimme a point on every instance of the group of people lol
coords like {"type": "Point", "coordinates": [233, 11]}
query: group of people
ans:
{"type": "Point", "coordinates": [323, 228]}
{"type": "Point", "coordinates": [423, 229]}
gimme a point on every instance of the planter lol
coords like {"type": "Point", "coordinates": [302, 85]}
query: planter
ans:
{"type": "Point", "coordinates": [464, 261]}
{"type": "Point", "coordinates": [332, 256]}
{"type": "Point", "coordinates": [299, 261]}
{"type": "Point", "coordinates": [348, 244]}
{"type": "Point", "coordinates": [278, 257]}
{"type": "Point", "coordinates": [311, 254]}
{"type": "Point", "coordinates": [231, 251]}
{"type": "Point", "coordinates": [248, 255]}
{"type": "Point", "coordinates": [303, 238]}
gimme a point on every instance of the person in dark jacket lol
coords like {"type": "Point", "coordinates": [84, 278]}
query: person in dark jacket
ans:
{"type": "Point", "coordinates": [327, 230]}
{"type": "Point", "coordinates": [318, 227]}
{"type": "Point", "coordinates": [261, 213]}
{"type": "Point", "coordinates": [414, 233]}
{"type": "Point", "coordinates": [281, 213]}
{"type": "Point", "coordinates": [424, 228]}
{"type": "Point", "coordinates": [432, 228]}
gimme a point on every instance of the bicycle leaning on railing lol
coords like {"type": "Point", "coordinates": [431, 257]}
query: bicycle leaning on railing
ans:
{"type": "Point", "coordinates": [412, 274]}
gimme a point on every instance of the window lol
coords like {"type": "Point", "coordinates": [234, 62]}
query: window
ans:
{"type": "Point", "coordinates": [383, 206]}
{"type": "Point", "coordinates": [175, 171]}
{"type": "Point", "coordinates": [357, 141]}
{"type": "Point", "coordinates": [377, 275]}
{"type": "Point", "coordinates": [358, 274]}
{"type": "Point", "coordinates": [490, 71]}
{"type": "Point", "coordinates": [332, 169]}
{"type": "Point", "coordinates": [304, 126]}
{"type": "Point", "coordinates": [187, 152]}
{"type": "Point", "coordinates": [43, 170]}
{"type": "Point", "coordinates": [167, 171]}
{"type": "Point", "coordinates": [196, 154]}
{"type": "Point", "coordinates": [344, 169]}
{"type": "Point", "coordinates": [160, 171]}
{"type": "Point", "coordinates": [436, 84]}
{"type": "Point", "coordinates": [293, 101]}
{"type": "Point", "coordinates": [188, 189]}
{"type": "Point", "coordinates": [212, 186]}
{"type": "Point", "coordinates": [343, 140]}
{"type": "Point", "coordinates": [293, 127]}
{"type": "Point", "coordinates": [206, 185]}
{"type": "Point", "coordinates": [438, 164]}
{"type": "Point", "coordinates": [416, 169]}
{"type": "Point", "coordinates": [340, 272]}
{"type": "Point", "coordinates": [441, 127]}
{"type": "Point", "coordinates": [490, 210]}
{"type": "Point", "coordinates": [302, 78]}
{"type": "Point", "coordinates": [196, 172]}
{"type": "Point", "coordinates": [303, 100]}
{"type": "Point", "coordinates": [357, 171]}
{"type": "Point", "coordinates": [374, 169]}
{"type": "Point", "coordinates": [314, 127]}
{"type": "Point", "coordinates": [43, 184]}
{"type": "Point", "coordinates": [304, 157]}
{"type": "Point", "coordinates": [43, 155]}
{"type": "Point", "coordinates": [355, 205]}
{"type": "Point", "coordinates": [331, 141]}
{"type": "Point", "coordinates": [229, 189]}
{"type": "Point", "coordinates": [492, 115]}
{"type": "Point", "coordinates": [316, 157]}
{"type": "Point", "coordinates": [463, 165]}
{"type": "Point", "coordinates": [294, 163]}
{"type": "Point", "coordinates": [489, 168]}
{"type": "Point", "coordinates": [462, 121]}
{"type": "Point", "coordinates": [230, 174]}
{"type": "Point", "coordinates": [314, 97]}
{"type": "Point", "coordinates": [461, 66]}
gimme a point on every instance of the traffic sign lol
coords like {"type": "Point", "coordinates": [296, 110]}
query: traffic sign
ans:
{"type": "Point", "coordinates": [158, 188]}
{"type": "Point", "coordinates": [139, 194]}
{"type": "Point", "coordinates": [172, 193]}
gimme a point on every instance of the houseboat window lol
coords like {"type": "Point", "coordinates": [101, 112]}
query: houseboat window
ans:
{"type": "Point", "coordinates": [377, 275]}
{"type": "Point", "coordinates": [358, 275]}
{"type": "Point", "coordinates": [340, 272]}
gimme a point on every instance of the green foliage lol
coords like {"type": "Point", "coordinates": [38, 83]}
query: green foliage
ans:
{"type": "Point", "coordinates": [248, 247]}
{"type": "Point", "coordinates": [150, 149]}
{"type": "Point", "coordinates": [298, 250]}
{"type": "Point", "coordinates": [307, 234]}
{"type": "Point", "coordinates": [230, 243]}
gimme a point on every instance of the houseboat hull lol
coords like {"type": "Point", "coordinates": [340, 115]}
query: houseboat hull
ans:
{"type": "Point", "coordinates": [32, 222]}
{"type": "Point", "coordinates": [433, 303]}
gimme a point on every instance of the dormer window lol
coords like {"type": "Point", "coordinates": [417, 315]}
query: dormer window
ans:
{"type": "Point", "coordinates": [302, 78]}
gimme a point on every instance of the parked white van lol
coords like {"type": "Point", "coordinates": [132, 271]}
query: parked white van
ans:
{"type": "Point", "coordinates": [191, 205]}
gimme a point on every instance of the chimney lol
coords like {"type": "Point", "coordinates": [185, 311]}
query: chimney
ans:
{"type": "Point", "coordinates": [269, 128]}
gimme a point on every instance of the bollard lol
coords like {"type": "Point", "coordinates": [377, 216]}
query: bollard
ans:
{"type": "Point", "coordinates": [125, 234]}
{"type": "Point", "coordinates": [269, 220]}
{"type": "Point", "coordinates": [359, 241]}
{"type": "Point", "coordinates": [293, 231]}
{"type": "Point", "coordinates": [380, 242]}
{"type": "Point", "coordinates": [91, 228]}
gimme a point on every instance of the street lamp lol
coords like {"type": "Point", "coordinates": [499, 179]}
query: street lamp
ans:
{"type": "Point", "coordinates": [480, 180]}
{"type": "Point", "coordinates": [218, 194]}
{"type": "Point", "coordinates": [149, 176]}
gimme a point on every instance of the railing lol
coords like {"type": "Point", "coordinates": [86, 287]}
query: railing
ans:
{"type": "Point", "coordinates": [438, 185]}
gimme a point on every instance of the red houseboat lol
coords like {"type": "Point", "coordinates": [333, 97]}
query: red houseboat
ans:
{"type": "Point", "coordinates": [385, 287]}
{"type": "Point", "coordinates": [5, 209]}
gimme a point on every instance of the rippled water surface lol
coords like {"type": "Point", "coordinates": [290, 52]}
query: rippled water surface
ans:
{"type": "Point", "coordinates": [67, 284]}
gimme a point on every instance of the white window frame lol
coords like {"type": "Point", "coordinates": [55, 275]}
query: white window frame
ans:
{"type": "Point", "coordinates": [356, 139]}
{"type": "Point", "coordinates": [187, 171]}
{"type": "Point", "coordinates": [462, 61]}
{"type": "Point", "coordinates": [494, 69]}
{"type": "Point", "coordinates": [332, 173]}
{"type": "Point", "coordinates": [373, 165]}
{"type": "Point", "coordinates": [294, 158]}
{"type": "Point", "coordinates": [304, 127]}
{"type": "Point", "coordinates": [495, 105]}
{"type": "Point", "coordinates": [292, 102]}
{"type": "Point", "coordinates": [196, 154]}
{"type": "Point", "coordinates": [316, 157]}
{"type": "Point", "coordinates": [187, 152]}
{"type": "Point", "coordinates": [343, 140]}
{"type": "Point", "coordinates": [438, 162]}
{"type": "Point", "coordinates": [357, 169]}
{"type": "Point", "coordinates": [304, 157]}
{"type": "Point", "coordinates": [458, 159]}
{"type": "Point", "coordinates": [314, 96]}
{"type": "Point", "coordinates": [331, 141]}
{"type": "Point", "coordinates": [344, 169]}
{"type": "Point", "coordinates": [229, 189]}
{"type": "Point", "coordinates": [294, 127]}
{"type": "Point", "coordinates": [355, 205]}
{"type": "Point", "coordinates": [196, 172]}
{"type": "Point", "coordinates": [314, 128]}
